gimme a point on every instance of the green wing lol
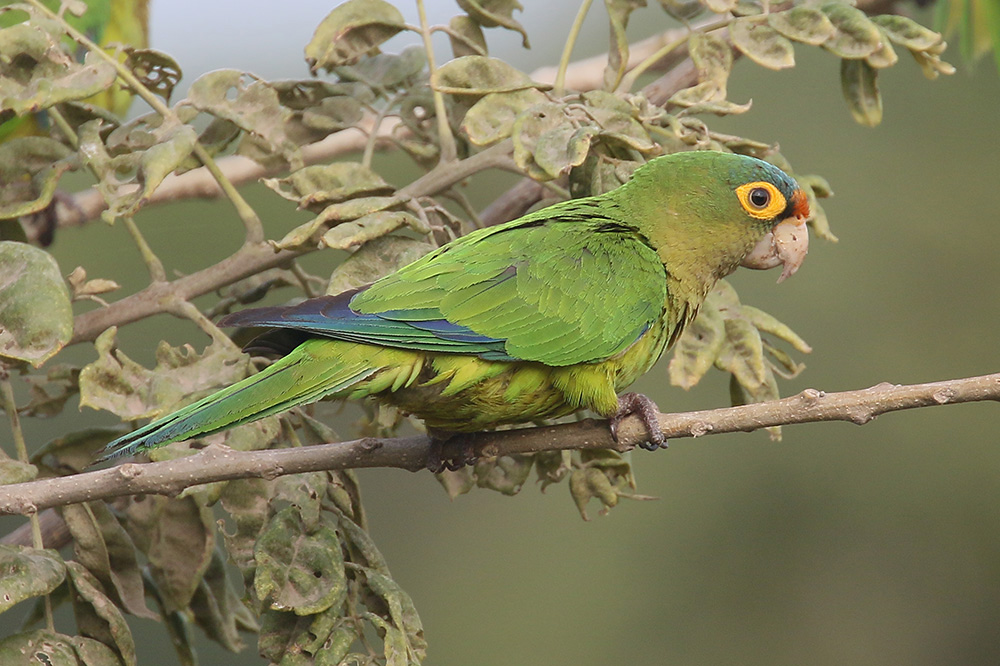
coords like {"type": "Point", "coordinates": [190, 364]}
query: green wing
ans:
{"type": "Point", "coordinates": [567, 285]}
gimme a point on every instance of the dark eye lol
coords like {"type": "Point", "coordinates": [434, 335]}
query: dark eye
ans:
{"type": "Point", "coordinates": [759, 197]}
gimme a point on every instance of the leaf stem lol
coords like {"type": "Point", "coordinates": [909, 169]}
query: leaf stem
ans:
{"type": "Point", "coordinates": [574, 33]}
{"type": "Point", "coordinates": [445, 137]}
{"type": "Point", "coordinates": [153, 263]}
{"type": "Point", "coordinates": [629, 79]}
{"type": "Point", "coordinates": [9, 405]}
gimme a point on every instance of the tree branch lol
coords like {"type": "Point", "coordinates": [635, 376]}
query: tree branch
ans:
{"type": "Point", "coordinates": [220, 463]}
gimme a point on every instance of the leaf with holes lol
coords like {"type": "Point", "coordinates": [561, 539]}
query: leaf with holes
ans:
{"type": "Point", "coordinates": [351, 31]}
{"type": "Point", "coordinates": [27, 573]}
{"type": "Point", "coordinates": [298, 571]}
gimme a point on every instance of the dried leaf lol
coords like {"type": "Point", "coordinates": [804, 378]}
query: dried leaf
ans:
{"type": "Point", "coordinates": [118, 384]}
{"type": "Point", "coordinates": [859, 82]}
{"type": "Point", "coordinates": [216, 607]}
{"type": "Point", "coordinates": [96, 615]}
{"type": "Point", "coordinates": [506, 474]}
{"type": "Point", "coordinates": [907, 32]}
{"type": "Point", "coordinates": [495, 13]}
{"type": "Point", "coordinates": [180, 541]}
{"type": "Point", "coordinates": [27, 573]}
{"type": "Point", "coordinates": [697, 348]}
{"type": "Point", "coordinates": [30, 169]}
{"type": "Point", "coordinates": [101, 544]}
{"type": "Point", "coordinates": [762, 43]}
{"type": "Point", "coordinates": [156, 70]}
{"type": "Point", "coordinates": [350, 31]}
{"type": "Point", "coordinates": [36, 318]}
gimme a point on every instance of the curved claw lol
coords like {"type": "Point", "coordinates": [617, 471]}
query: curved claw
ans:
{"type": "Point", "coordinates": [785, 245]}
{"type": "Point", "coordinates": [647, 411]}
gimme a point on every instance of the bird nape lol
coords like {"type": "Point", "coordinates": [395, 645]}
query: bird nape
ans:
{"type": "Point", "coordinates": [551, 313]}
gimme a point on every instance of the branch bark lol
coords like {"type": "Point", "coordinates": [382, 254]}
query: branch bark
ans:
{"type": "Point", "coordinates": [219, 463]}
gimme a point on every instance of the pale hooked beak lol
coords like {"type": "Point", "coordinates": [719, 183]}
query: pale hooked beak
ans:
{"type": "Point", "coordinates": [785, 245]}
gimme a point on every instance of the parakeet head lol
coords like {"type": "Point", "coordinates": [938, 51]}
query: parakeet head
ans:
{"type": "Point", "coordinates": [707, 212]}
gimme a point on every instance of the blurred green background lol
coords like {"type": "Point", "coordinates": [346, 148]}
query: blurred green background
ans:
{"type": "Point", "coordinates": [838, 545]}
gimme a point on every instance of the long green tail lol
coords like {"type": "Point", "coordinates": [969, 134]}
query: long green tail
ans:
{"type": "Point", "coordinates": [316, 369]}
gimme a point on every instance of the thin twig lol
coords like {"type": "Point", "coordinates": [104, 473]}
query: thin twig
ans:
{"type": "Point", "coordinates": [574, 33]}
{"type": "Point", "coordinates": [220, 463]}
{"type": "Point", "coordinates": [445, 138]}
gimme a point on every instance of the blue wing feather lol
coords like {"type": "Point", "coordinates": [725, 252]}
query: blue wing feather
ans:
{"type": "Point", "coordinates": [332, 316]}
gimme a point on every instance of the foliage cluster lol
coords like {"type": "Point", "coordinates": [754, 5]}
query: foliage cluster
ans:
{"type": "Point", "coordinates": [316, 588]}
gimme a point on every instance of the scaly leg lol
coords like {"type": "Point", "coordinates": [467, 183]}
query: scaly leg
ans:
{"type": "Point", "coordinates": [646, 410]}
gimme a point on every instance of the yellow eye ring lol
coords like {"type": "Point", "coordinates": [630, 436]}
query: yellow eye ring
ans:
{"type": "Point", "coordinates": [761, 200]}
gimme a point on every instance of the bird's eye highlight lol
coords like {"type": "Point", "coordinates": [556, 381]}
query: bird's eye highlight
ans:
{"type": "Point", "coordinates": [759, 197]}
{"type": "Point", "coordinates": [761, 200]}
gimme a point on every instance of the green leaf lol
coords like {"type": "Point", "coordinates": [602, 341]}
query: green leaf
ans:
{"type": "Point", "coordinates": [36, 319]}
{"type": "Point", "coordinates": [27, 573]}
{"type": "Point", "coordinates": [529, 126]}
{"type": "Point", "coordinates": [315, 187]}
{"type": "Point", "coordinates": [15, 471]}
{"type": "Point", "coordinates": [803, 24]}
{"type": "Point", "coordinates": [906, 32]}
{"type": "Point", "coordinates": [478, 76]}
{"type": "Point", "coordinates": [36, 74]}
{"type": "Point", "coordinates": [118, 384]}
{"type": "Point", "coordinates": [884, 56]}
{"type": "Point", "coordinates": [45, 647]}
{"type": "Point", "coordinates": [375, 259]}
{"type": "Point", "coordinates": [559, 150]}
{"type": "Point", "coordinates": [492, 118]}
{"type": "Point", "coordinates": [97, 616]}
{"type": "Point", "coordinates": [30, 169]}
{"type": "Point", "coordinates": [298, 571]}
{"type": "Point", "coordinates": [466, 37]}
{"type": "Point", "coordinates": [388, 70]}
{"type": "Point", "coordinates": [369, 227]}
{"type": "Point", "coordinates": [762, 43]}
{"type": "Point", "coordinates": [350, 31]}
{"type": "Point", "coordinates": [859, 83]}
{"type": "Point", "coordinates": [496, 13]}
{"type": "Point", "coordinates": [856, 36]}
{"type": "Point", "coordinates": [682, 10]}
{"type": "Point", "coordinates": [251, 104]}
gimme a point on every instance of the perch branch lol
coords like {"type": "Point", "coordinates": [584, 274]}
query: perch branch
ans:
{"type": "Point", "coordinates": [219, 463]}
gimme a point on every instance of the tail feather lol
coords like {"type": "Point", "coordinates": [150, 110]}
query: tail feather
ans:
{"type": "Point", "coordinates": [308, 373]}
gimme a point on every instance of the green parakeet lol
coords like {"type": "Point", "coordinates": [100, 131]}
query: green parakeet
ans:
{"type": "Point", "coordinates": [553, 312]}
